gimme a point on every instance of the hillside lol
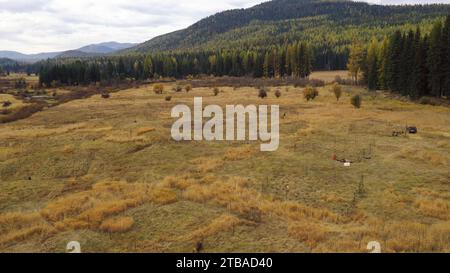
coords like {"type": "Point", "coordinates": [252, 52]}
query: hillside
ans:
{"type": "Point", "coordinates": [105, 48]}
{"type": "Point", "coordinates": [83, 52]}
{"type": "Point", "coordinates": [327, 25]}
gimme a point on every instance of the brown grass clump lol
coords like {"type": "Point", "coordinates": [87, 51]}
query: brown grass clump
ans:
{"type": "Point", "coordinates": [17, 226]}
{"type": "Point", "coordinates": [221, 224]}
{"type": "Point", "coordinates": [66, 207]}
{"type": "Point", "coordinates": [17, 220]}
{"type": "Point", "coordinates": [437, 208]}
{"type": "Point", "coordinates": [117, 225]}
{"type": "Point", "coordinates": [296, 211]}
{"type": "Point", "coordinates": [177, 182]}
{"type": "Point", "coordinates": [431, 193]}
{"type": "Point", "coordinates": [144, 130]}
{"type": "Point", "coordinates": [23, 234]}
{"type": "Point", "coordinates": [332, 197]}
{"type": "Point", "coordinates": [162, 196]}
{"type": "Point", "coordinates": [240, 153]}
{"type": "Point", "coordinates": [88, 209]}
{"type": "Point", "coordinates": [308, 232]}
{"type": "Point", "coordinates": [204, 165]}
{"type": "Point", "coordinates": [198, 193]}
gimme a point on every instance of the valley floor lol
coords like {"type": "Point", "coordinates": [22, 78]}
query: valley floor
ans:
{"type": "Point", "coordinates": [106, 173]}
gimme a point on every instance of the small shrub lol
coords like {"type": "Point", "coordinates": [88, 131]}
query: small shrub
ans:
{"type": "Point", "coordinates": [310, 93]}
{"type": "Point", "coordinates": [158, 88]}
{"type": "Point", "coordinates": [168, 98]}
{"type": "Point", "coordinates": [262, 93]}
{"type": "Point", "coordinates": [6, 103]}
{"type": "Point", "coordinates": [278, 93]}
{"type": "Point", "coordinates": [177, 88]}
{"type": "Point", "coordinates": [430, 101]}
{"type": "Point", "coordinates": [188, 88]}
{"type": "Point", "coordinates": [356, 101]}
{"type": "Point", "coordinates": [20, 84]}
{"type": "Point", "coordinates": [106, 95]}
{"type": "Point", "coordinates": [425, 100]}
{"type": "Point", "coordinates": [337, 90]}
{"type": "Point", "coordinates": [216, 91]}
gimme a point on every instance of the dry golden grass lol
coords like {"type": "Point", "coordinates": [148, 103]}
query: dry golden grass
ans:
{"type": "Point", "coordinates": [333, 197]}
{"type": "Point", "coordinates": [205, 165]}
{"type": "Point", "coordinates": [436, 208]}
{"type": "Point", "coordinates": [431, 193]}
{"type": "Point", "coordinates": [177, 182]}
{"type": "Point", "coordinates": [330, 76]}
{"type": "Point", "coordinates": [15, 103]}
{"type": "Point", "coordinates": [117, 225]}
{"type": "Point", "coordinates": [435, 158]}
{"type": "Point", "coordinates": [41, 131]}
{"type": "Point", "coordinates": [17, 226]}
{"type": "Point", "coordinates": [144, 130]}
{"type": "Point", "coordinates": [308, 232]}
{"type": "Point", "coordinates": [239, 153]}
{"type": "Point", "coordinates": [221, 224]}
{"type": "Point", "coordinates": [90, 208]}
{"type": "Point", "coordinates": [178, 188]}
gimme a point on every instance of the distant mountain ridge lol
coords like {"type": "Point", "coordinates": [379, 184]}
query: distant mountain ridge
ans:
{"type": "Point", "coordinates": [86, 51]}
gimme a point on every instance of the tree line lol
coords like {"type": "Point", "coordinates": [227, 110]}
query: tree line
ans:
{"type": "Point", "coordinates": [295, 59]}
{"type": "Point", "coordinates": [409, 63]}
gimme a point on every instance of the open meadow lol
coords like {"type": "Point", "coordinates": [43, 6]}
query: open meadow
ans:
{"type": "Point", "coordinates": [106, 173]}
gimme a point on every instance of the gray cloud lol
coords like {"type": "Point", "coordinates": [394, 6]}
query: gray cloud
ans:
{"type": "Point", "coordinates": [22, 6]}
{"type": "Point", "coordinates": [56, 25]}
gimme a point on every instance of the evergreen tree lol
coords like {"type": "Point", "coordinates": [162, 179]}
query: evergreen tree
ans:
{"type": "Point", "coordinates": [372, 65]}
{"type": "Point", "coordinates": [148, 67]}
{"type": "Point", "coordinates": [446, 57]}
{"type": "Point", "coordinates": [435, 65]}
{"type": "Point", "coordinates": [382, 63]}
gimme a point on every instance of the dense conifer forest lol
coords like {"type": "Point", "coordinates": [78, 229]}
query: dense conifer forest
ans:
{"type": "Point", "coordinates": [400, 48]}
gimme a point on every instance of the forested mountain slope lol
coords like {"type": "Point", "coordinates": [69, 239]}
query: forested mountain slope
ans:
{"type": "Point", "coordinates": [329, 27]}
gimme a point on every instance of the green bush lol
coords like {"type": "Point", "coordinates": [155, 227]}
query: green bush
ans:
{"type": "Point", "coordinates": [337, 90]}
{"type": "Point", "coordinates": [356, 101]}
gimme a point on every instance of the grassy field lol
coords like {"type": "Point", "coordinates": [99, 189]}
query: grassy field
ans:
{"type": "Point", "coordinates": [106, 173]}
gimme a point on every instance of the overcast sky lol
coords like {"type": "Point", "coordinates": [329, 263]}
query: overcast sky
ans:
{"type": "Point", "coordinates": [32, 26]}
